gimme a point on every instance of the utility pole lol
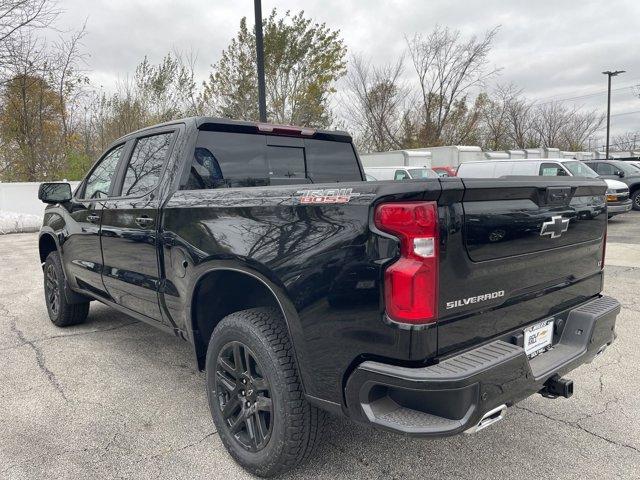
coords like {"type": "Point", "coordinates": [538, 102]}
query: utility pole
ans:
{"type": "Point", "coordinates": [609, 74]}
{"type": "Point", "coordinates": [262, 98]}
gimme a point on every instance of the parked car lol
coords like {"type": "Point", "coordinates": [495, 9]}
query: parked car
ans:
{"type": "Point", "coordinates": [617, 193]}
{"type": "Point", "coordinates": [392, 158]}
{"type": "Point", "coordinates": [423, 308]}
{"type": "Point", "coordinates": [620, 170]}
{"type": "Point", "coordinates": [399, 173]}
{"type": "Point", "coordinates": [445, 171]}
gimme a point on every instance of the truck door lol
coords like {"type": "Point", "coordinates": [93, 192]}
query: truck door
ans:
{"type": "Point", "coordinates": [83, 257]}
{"type": "Point", "coordinates": [129, 228]}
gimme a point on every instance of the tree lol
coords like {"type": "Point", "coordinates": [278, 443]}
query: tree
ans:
{"type": "Point", "coordinates": [448, 69]}
{"type": "Point", "coordinates": [18, 17]}
{"type": "Point", "coordinates": [31, 129]}
{"type": "Point", "coordinates": [626, 141]}
{"type": "Point", "coordinates": [557, 125]}
{"type": "Point", "coordinates": [376, 97]}
{"type": "Point", "coordinates": [303, 60]}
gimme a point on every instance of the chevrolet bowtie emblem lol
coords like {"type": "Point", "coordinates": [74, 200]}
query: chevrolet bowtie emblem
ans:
{"type": "Point", "coordinates": [555, 227]}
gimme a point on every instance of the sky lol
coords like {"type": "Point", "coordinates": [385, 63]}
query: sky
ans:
{"type": "Point", "coordinates": [553, 50]}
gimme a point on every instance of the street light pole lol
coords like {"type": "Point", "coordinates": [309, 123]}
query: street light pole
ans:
{"type": "Point", "coordinates": [262, 100]}
{"type": "Point", "coordinates": [609, 74]}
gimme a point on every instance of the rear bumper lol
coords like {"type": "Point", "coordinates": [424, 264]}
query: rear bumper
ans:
{"type": "Point", "coordinates": [452, 396]}
{"type": "Point", "coordinates": [614, 208]}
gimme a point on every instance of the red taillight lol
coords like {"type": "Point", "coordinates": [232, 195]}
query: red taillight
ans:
{"type": "Point", "coordinates": [411, 283]}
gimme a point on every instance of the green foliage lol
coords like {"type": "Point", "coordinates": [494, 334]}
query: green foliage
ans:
{"type": "Point", "coordinates": [78, 164]}
{"type": "Point", "coordinates": [303, 60]}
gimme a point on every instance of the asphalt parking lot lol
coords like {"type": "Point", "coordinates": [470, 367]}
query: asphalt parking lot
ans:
{"type": "Point", "coordinates": [115, 398]}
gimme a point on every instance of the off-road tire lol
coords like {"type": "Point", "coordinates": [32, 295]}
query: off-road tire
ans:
{"type": "Point", "coordinates": [296, 426]}
{"type": "Point", "coordinates": [61, 312]}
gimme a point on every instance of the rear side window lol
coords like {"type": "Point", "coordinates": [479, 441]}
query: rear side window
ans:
{"type": "Point", "coordinates": [401, 175]}
{"type": "Point", "coordinates": [552, 170]}
{"type": "Point", "coordinates": [605, 169]}
{"type": "Point", "coordinates": [225, 159]}
{"type": "Point", "coordinates": [99, 181]}
{"type": "Point", "coordinates": [144, 168]}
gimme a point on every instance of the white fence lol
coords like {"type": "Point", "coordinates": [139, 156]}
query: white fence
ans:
{"type": "Point", "coordinates": [22, 198]}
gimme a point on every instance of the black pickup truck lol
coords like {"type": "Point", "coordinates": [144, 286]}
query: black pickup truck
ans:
{"type": "Point", "coordinates": [425, 307]}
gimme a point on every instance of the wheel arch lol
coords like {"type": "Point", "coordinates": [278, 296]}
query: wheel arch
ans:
{"type": "Point", "coordinates": [47, 243]}
{"type": "Point", "coordinates": [244, 288]}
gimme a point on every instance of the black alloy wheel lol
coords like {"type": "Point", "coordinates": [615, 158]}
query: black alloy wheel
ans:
{"type": "Point", "coordinates": [52, 289]}
{"type": "Point", "coordinates": [244, 396]}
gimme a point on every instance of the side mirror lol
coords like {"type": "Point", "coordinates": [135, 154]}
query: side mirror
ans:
{"type": "Point", "coordinates": [54, 192]}
{"type": "Point", "coordinates": [620, 173]}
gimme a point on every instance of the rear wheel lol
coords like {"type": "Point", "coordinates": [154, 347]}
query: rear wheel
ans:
{"type": "Point", "coordinates": [61, 312]}
{"type": "Point", "coordinates": [635, 198]}
{"type": "Point", "coordinates": [255, 395]}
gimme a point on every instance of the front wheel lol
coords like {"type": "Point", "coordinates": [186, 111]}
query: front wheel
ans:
{"type": "Point", "coordinates": [635, 198]}
{"type": "Point", "coordinates": [61, 312]}
{"type": "Point", "coordinates": [255, 395]}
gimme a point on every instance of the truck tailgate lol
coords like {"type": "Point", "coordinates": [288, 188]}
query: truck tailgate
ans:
{"type": "Point", "coordinates": [517, 250]}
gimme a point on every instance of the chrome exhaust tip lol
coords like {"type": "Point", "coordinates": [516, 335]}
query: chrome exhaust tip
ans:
{"type": "Point", "coordinates": [489, 418]}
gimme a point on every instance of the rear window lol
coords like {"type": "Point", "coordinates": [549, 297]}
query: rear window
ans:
{"type": "Point", "coordinates": [224, 159]}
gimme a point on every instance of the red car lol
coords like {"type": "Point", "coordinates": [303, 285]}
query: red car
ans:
{"type": "Point", "coordinates": [444, 171]}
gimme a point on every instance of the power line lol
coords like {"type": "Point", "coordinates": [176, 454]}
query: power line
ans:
{"type": "Point", "coordinates": [625, 113]}
{"type": "Point", "coordinates": [579, 97]}
{"type": "Point", "coordinates": [552, 99]}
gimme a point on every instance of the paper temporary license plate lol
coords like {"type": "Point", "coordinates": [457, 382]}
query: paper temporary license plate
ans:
{"type": "Point", "coordinates": [538, 337]}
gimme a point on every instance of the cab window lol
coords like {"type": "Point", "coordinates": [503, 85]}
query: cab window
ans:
{"type": "Point", "coordinates": [144, 168]}
{"type": "Point", "coordinates": [98, 182]}
{"type": "Point", "coordinates": [401, 175]}
{"type": "Point", "coordinates": [552, 170]}
{"type": "Point", "coordinates": [605, 168]}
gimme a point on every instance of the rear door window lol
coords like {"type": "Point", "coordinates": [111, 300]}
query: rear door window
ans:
{"type": "Point", "coordinates": [144, 168]}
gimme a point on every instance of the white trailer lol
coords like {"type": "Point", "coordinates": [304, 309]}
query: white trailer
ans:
{"type": "Point", "coordinates": [517, 154]}
{"type": "Point", "coordinates": [533, 152]}
{"type": "Point", "coordinates": [496, 155]}
{"type": "Point", "coordinates": [394, 158]}
{"type": "Point", "coordinates": [550, 152]}
{"type": "Point", "coordinates": [454, 155]}
{"type": "Point", "coordinates": [584, 155]}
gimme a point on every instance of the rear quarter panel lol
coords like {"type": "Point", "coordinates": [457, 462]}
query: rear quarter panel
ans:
{"type": "Point", "coordinates": [325, 260]}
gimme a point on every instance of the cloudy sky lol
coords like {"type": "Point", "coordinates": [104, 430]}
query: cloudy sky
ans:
{"type": "Point", "coordinates": [554, 50]}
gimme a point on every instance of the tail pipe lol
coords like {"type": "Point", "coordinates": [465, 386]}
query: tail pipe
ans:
{"type": "Point", "coordinates": [489, 418]}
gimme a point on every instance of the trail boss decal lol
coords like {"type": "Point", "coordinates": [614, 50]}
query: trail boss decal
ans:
{"type": "Point", "coordinates": [326, 196]}
{"type": "Point", "coordinates": [477, 299]}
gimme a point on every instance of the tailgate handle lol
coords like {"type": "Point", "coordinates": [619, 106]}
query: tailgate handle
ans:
{"type": "Point", "coordinates": [557, 195]}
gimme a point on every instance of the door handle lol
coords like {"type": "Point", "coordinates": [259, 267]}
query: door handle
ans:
{"type": "Point", "coordinates": [144, 221]}
{"type": "Point", "coordinates": [93, 218]}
